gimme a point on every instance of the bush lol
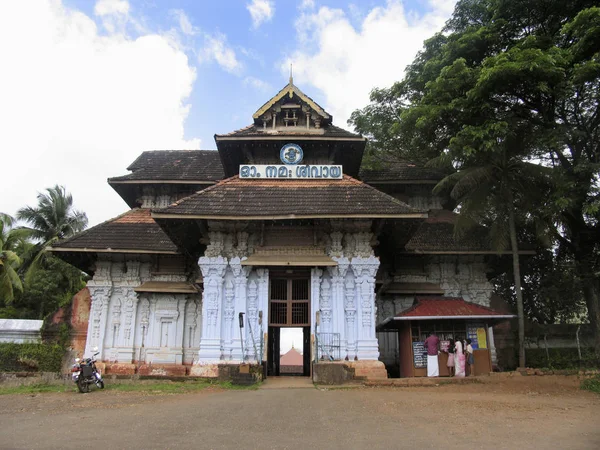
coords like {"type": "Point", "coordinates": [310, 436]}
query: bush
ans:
{"type": "Point", "coordinates": [591, 384]}
{"type": "Point", "coordinates": [30, 357]}
{"type": "Point", "coordinates": [561, 358]}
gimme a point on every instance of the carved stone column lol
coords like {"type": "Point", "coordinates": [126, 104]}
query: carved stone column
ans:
{"type": "Point", "coordinates": [97, 321]}
{"type": "Point", "coordinates": [365, 270]}
{"type": "Point", "coordinates": [350, 316]}
{"type": "Point", "coordinates": [213, 271]}
{"type": "Point", "coordinates": [325, 306]}
{"type": "Point", "coordinates": [240, 274]}
{"type": "Point", "coordinates": [338, 276]}
{"type": "Point", "coordinates": [262, 304]}
{"type": "Point", "coordinates": [251, 313]}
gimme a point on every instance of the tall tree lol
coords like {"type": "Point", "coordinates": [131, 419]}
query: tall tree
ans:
{"type": "Point", "coordinates": [9, 260]}
{"type": "Point", "coordinates": [489, 186]}
{"type": "Point", "coordinates": [528, 68]}
{"type": "Point", "coordinates": [52, 219]}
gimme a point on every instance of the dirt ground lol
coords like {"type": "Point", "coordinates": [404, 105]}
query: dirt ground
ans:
{"type": "Point", "coordinates": [527, 412]}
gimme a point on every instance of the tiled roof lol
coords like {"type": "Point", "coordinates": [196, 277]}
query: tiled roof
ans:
{"type": "Point", "coordinates": [291, 358]}
{"type": "Point", "coordinates": [181, 165]}
{"type": "Point", "coordinates": [134, 230]}
{"type": "Point", "coordinates": [254, 131]}
{"type": "Point", "coordinates": [289, 198]}
{"type": "Point", "coordinates": [447, 307]}
{"type": "Point", "coordinates": [400, 171]}
{"type": "Point", "coordinates": [436, 234]}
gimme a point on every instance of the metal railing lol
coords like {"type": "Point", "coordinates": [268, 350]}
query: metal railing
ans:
{"type": "Point", "coordinates": [328, 347]}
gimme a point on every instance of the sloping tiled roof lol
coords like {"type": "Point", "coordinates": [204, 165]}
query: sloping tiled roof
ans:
{"type": "Point", "coordinates": [330, 131]}
{"type": "Point", "coordinates": [436, 234]}
{"type": "Point", "coordinates": [400, 171]}
{"type": "Point", "coordinates": [292, 358]}
{"type": "Point", "coordinates": [134, 230]}
{"type": "Point", "coordinates": [180, 165]}
{"type": "Point", "coordinates": [235, 197]}
{"type": "Point", "coordinates": [447, 307]}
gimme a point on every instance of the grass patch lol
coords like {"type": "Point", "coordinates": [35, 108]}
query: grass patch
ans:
{"type": "Point", "coordinates": [591, 384]}
{"type": "Point", "coordinates": [35, 389]}
{"type": "Point", "coordinates": [158, 387]}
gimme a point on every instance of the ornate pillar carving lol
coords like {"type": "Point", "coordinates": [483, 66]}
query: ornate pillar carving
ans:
{"type": "Point", "coordinates": [213, 271]}
{"type": "Point", "coordinates": [325, 306]}
{"type": "Point", "coordinates": [97, 321]}
{"type": "Point", "coordinates": [240, 274]}
{"type": "Point", "coordinates": [338, 276]}
{"type": "Point", "coordinates": [364, 270]}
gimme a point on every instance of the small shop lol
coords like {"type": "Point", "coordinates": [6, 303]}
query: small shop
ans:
{"type": "Point", "coordinates": [450, 319]}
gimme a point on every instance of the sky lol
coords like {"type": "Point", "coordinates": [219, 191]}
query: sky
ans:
{"type": "Point", "coordinates": [86, 86]}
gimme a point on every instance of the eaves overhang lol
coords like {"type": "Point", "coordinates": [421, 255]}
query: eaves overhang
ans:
{"type": "Point", "coordinates": [157, 215]}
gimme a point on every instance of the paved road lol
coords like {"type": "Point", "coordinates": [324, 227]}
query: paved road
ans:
{"type": "Point", "coordinates": [466, 417]}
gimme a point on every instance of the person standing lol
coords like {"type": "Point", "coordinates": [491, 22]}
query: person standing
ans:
{"type": "Point", "coordinates": [459, 359]}
{"type": "Point", "coordinates": [432, 343]}
{"type": "Point", "coordinates": [470, 358]}
{"type": "Point", "coordinates": [450, 362]}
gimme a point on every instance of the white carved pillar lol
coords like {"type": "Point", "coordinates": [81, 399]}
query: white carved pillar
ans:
{"type": "Point", "coordinates": [228, 317]}
{"type": "Point", "coordinates": [338, 276]}
{"type": "Point", "coordinates": [365, 270]}
{"type": "Point", "coordinates": [97, 322]}
{"type": "Point", "coordinates": [262, 304]}
{"type": "Point", "coordinates": [251, 312]}
{"type": "Point", "coordinates": [213, 270]}
{"type": "Point", "coordinates": [240, 274]}
{"type": "Point", "coordinates": [142, 329]}
{"type": "Point", "coordinates": [127, 341]}
{"type": "Point", "coordinates": [325, 306]}
{"type": "Point", "coordinates": [350, 317]}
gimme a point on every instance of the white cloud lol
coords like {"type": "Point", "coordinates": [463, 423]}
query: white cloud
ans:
{"type": "Point", "coordinates": [261, 11]}
{"type": "Point", "coordinates": [257, 84]}
{"type": "Point", "coordinates": [185, 25]}
{"type": "Point", "coordinates": [107, 7]}
{"type": "Point", "coordinates": [345, 63]}
{"type": "Point", "coordinates": [307, 4]}
{"type": "Point", "coordinates": [216, 49]}
{"type": "Point", "coordinates": [78, 107]}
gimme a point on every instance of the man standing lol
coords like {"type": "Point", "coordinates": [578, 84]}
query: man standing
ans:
{"type": "Point", "coordinates": [432, 344]}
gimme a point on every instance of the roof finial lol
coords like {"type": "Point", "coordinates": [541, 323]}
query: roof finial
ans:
{"type": "Point", "coordinates": [291, 75]}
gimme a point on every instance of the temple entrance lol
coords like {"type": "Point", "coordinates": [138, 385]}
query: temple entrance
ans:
{"type": "Point", "coordinates": [289, 308]}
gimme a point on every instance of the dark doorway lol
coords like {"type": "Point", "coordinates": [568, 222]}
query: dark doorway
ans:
{"type": "Point", "coordinates": [274, 354]}
{"type": "Point", "coordinates": [289, 307]}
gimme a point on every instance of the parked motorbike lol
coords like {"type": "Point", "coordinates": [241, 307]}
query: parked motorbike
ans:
{"type": "Point", "coordinates": [85, 373]}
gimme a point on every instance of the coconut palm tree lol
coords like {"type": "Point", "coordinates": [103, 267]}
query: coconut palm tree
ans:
{"type": "Point", "coordinates": [497, 187]}
{"type": "Point", "coordinates": [9, 259]}
{"type": "Point", "coordinates": [51, 220]}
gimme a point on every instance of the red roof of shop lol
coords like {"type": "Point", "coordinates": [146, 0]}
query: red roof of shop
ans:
{"type": "Point", "coordinates": [448, 308]}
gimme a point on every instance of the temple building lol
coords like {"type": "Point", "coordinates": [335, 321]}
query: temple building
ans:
{"type": "Point", "coordinates": [280, 227]}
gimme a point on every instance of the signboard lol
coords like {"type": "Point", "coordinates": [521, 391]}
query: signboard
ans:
{"type": "Point", "coordinates": [419, 355]}
{"type": "Point", "coordinates": [473, 333]}
{"type": "Point", "coordinates": [283, 171]}
{"type": "Point", "coordinates": [481, 338]}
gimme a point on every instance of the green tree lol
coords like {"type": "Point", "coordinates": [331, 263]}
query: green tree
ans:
{"type": "Point", "coordinates": [489, 186]}
{"type": "Point", "coordinates": [528, 69]}
{"type": "Point", "coordinates": [53, 218]}
{"type": "Point", "coordinates": [9, 259]}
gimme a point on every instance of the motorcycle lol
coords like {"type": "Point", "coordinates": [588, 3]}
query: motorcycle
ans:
{"type": "Point", "coordinates": [84, 373]}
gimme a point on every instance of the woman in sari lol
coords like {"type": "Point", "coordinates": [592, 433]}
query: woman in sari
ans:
{"type": "Point", "coordinates": [459, 359]}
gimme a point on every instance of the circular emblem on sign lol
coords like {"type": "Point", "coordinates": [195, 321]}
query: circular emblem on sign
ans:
{"type": "Point", "coordinates": [291, 154]}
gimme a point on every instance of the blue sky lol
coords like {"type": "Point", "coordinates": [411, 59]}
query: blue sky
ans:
{"type": "Point", "coordinates": [91, 84]}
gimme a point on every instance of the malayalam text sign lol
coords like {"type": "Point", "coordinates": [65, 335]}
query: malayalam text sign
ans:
{"type": "Point", "coordinates": [283, 171]}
